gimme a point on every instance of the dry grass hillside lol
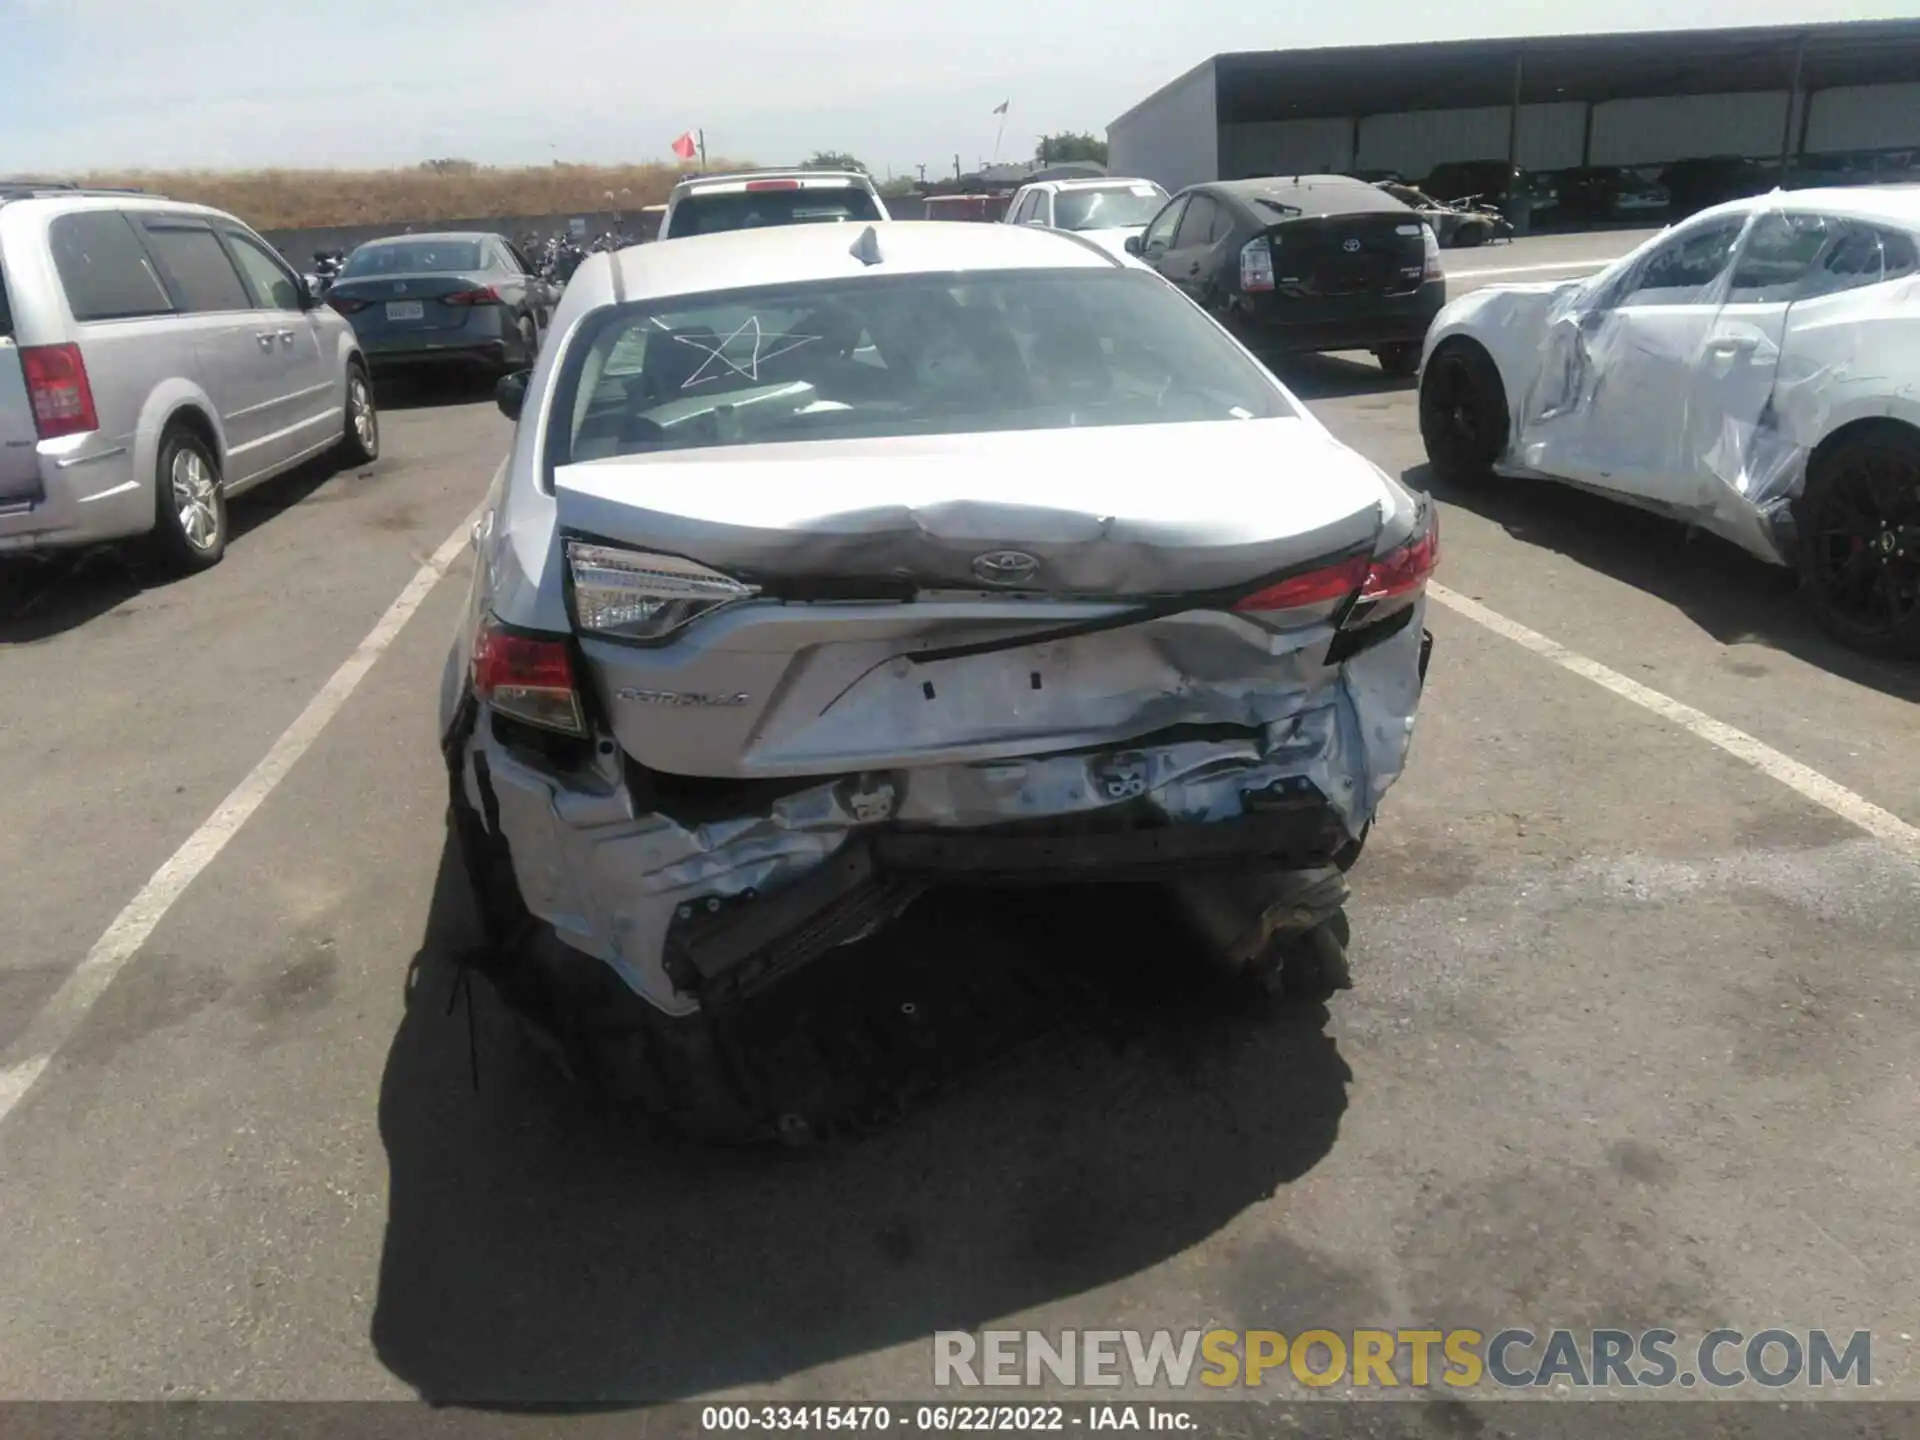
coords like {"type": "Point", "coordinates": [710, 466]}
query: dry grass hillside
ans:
{"type": "Point", "coordinates": [300, 199]}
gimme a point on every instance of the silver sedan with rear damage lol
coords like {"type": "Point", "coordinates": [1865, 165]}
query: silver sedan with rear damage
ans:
{"type": "Point", "coordinates": [834, 563]}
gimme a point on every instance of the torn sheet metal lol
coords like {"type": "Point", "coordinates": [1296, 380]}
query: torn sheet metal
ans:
{"type": "Point", "coordinates": [609, 879]}
{"type": "Point", "coordinates": [1696, 376]}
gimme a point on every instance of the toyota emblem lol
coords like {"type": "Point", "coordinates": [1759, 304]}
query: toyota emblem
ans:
{"type": "Point", "coordinates": [1350, 246]}
{"type": "Point", "coordinates": [1005, 567]}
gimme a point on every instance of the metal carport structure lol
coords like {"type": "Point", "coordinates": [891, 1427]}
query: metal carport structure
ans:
{"type": "Point", "coordinates": [1581, 99]}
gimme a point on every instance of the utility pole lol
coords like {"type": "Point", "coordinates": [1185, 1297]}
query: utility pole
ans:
{"type": "Point", "coordinates": [956, 165]}
{"type": "Point", "coordinates": [923, 173]}
{"type": "Point", "coordinates": [703, 149]}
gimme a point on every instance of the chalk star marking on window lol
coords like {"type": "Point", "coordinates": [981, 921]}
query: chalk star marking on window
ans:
{"type": "Point", "coordinates": [765, 347]}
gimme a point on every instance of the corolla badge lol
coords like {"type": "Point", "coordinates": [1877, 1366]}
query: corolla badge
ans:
{"type": "Point", "coordinates": [682, 698]}
{"type": "Point", "coordinates": [1005, 567]}
{"type": "Point", "coordinates": [1350, 245]}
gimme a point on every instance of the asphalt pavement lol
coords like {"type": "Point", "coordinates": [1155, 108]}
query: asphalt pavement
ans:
{"type": "Point", "coordinates": [1634, 1040]}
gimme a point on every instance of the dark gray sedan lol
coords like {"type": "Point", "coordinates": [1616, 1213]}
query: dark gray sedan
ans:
{"type": "Point", "coordinates": [466, 299]}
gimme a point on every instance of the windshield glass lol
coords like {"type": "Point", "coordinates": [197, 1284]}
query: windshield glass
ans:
{"type": "Point", "coordinates": [1107, 209]}
{"type": "Point", "coordinates": [413, 257]}
{"type": "Point", "coordinates": [743, 210]}
{"type": "Point", "coordinates": [908, 355]}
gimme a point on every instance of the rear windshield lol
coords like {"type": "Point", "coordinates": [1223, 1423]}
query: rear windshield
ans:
{"type": "Point", "coordinates": [699, 214]}
{"type": "Point", "coordinates": [1107, 209]}
{"type": "Point", "coordinates": [413, 257]}
{"type": "Point", "coordinates": [903, 355]}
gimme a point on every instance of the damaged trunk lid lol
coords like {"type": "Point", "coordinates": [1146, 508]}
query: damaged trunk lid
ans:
{"type": "Point", "coordinates": [972, 598]}
{"type": "Point", "coordinates": [1109, 513]}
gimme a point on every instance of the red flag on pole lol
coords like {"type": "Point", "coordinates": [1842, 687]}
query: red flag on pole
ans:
{"type": "Point", "coordinates": [684, 146]}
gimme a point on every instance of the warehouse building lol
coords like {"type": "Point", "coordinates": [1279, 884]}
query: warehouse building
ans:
{"type": "Point", "coordinates": [1546, 104]}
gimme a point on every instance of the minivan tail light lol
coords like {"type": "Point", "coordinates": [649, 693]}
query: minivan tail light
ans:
{"type": "Point", "coordinates": [58, 389]}
{"type": "Point", "coordinates": [527, 676]}
{"type": "Point", "coordinates": [485, 295]}
{"type": "Point", "coordinates": [638, 596]}
{"type": "Point", "coordinates": [1256, 266]}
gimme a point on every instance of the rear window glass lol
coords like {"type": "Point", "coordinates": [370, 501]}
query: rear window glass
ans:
{"type": "Point", "coordinates": [1107, 208]}
{"type": "Point", "coordinates": [750, 210]}
{"type": "Point", "coordinates": [104, 268]}
{"type": "Point", "coordinates": [906, 355]}
{"type": "Point", "coordinates": [202, 276]}
{"type": "Point", "coordinates": [413, 257]}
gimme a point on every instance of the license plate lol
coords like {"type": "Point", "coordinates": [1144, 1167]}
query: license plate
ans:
{"type": "Point", "coordinates": [405, 310]}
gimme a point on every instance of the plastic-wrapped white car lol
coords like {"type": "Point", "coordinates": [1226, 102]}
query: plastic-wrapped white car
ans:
{"type": "Point", "coordinates": [1754, 371]}
{"type": "Point", "coordinates": [834, 562]}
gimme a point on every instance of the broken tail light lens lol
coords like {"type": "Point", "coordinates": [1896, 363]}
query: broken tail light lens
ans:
{"type": "Point", "coordinates": [1256, 266]}
{"type": "Point", "coordinates": [1403, 571]}
{"type": "Point", "coordinates": [638, 596]}
{"type": "Point", "coordinates": [58, 390]}
{"type": "Point", "coordinates": [527, 676]}
{"type": "Point", "coordinates": [1378, 577]}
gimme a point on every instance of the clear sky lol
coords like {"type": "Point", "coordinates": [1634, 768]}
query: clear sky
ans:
{"type": "Point", "coordinates": [229, 83]}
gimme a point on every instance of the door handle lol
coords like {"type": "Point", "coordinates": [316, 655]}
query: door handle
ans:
{"type": "Point", "coordinates": [286, 339]}
{"type": "Point", "coordinates": [1732, 345]}
{"type": "Point", "coordinates": [265, 337]}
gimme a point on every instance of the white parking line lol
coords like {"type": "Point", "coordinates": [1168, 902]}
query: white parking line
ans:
{"type": "Point", "coordinates": [28, 1057]}
{"type": "Point", "coordinates": [1593, 264]}
{"type": "Point", "coordinates": [1883, 825]}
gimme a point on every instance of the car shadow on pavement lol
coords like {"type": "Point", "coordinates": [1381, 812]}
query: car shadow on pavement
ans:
{"type": "Point", "coordinates": [1335, 377]}
{"type": "Point", "coordinates": [431, 389]}
{"type": "Point", "coordinates": [1735, 597]}
{"type": "Point", "coordinates": [45, 596]}
{"type": "Point", "coordinates": [536, 1254]}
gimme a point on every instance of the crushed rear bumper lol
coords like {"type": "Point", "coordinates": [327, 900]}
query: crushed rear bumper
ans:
{"type": "Point", "coordinates": [692, 905]}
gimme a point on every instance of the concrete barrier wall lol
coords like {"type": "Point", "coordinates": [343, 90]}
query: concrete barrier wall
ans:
{"type": "Point", "coordinates": [299, 245]}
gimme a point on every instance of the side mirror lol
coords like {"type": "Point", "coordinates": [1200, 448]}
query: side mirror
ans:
{"type": "Point", "coordinates": [313, 292]}
{"type": "Point", "coordinates": [1133, 245]}
{"type": "Point", "coordinates": [511, 394]}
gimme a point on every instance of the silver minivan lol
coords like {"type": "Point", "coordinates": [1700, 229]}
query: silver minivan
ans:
{"type": "Point", "coordinates": [157, 358]}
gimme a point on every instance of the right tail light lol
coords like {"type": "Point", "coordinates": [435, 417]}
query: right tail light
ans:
{"type": "Point", "coordinates": [58, 390]}
{"type": "Point", "coordinates": [1400, 571]}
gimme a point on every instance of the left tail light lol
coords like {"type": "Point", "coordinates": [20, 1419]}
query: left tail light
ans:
{"type": "Point", "coordinates": [1256, 266]}
{"type": "Point", "coordinates": [58, 390]}
{"type": "Point", "coordinates": [637, 596]}
{"type": "Point", "coordinates": [527, 676]}
{"type": "Point", "coordinates": [485, 295]}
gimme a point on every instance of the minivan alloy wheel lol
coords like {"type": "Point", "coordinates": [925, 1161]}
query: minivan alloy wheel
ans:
{"type": "Point", "coordinates": [196, 499]}
{"type": "Point", "coordinates": [366, 425]}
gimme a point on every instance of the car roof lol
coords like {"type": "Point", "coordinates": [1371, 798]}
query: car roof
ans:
{"type": "Point", "coordinates": [1093, 182]}
{"type": "Point", "coordinates": [799, 172]}
{"type": "Point", "coordinates": [437, 237]}
{"type": "Point", "coordinates": [1895, 204]}
{"type": "Point", "coordinates": [795, 254]}
{"type": "Point", "coordinates": [1311, 194]}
